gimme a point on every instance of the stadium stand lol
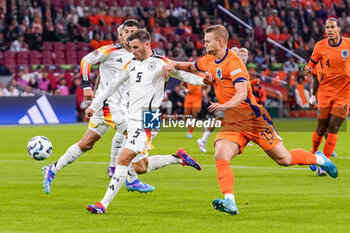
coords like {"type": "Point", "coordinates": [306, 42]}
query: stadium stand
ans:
{"type": "Point", "coordinates": [65, 30]}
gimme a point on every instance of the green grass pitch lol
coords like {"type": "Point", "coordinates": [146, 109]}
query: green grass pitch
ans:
{"type": "Point", "coordinates": [270, 198]}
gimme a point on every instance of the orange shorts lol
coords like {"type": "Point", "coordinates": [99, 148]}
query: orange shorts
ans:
{"type": "Point", "coordinates": [330, 106]}
{"type": "Point", "coordinates": [192, 105]}
{"type": "Point", "coordinates": [260, 130]}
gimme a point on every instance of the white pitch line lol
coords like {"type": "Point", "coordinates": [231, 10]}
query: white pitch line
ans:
{"type": "Point", "coordinates": [205, 165]}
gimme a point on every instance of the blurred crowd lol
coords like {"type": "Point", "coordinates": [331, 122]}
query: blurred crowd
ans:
{"type": "Point", "coordinates": [177, 31]}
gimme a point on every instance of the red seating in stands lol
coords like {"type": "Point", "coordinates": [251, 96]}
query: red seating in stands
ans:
{"type": "Point", "coordinates": [9, 55]}
{"type": "Point", "coordinates": [33, 54]}
{"type": "Point", "coordinates": [83, 46]}
{"type": "Point", "coordinates": [46, 61]}
{"type": "Point", "coordinates": [34, 61]}
{"type": "Point", "coordinates": [71, 46]}
{"type": "Point", "coordinates": [82, 54]}
{"type": "Point", "coordinates": [58, 54]}
{"type": "Point", "coordinates": [259, 34]}
{"type": "Point", "coordinates": [47, 45]}
{"type": "Point", "coordinates": [59, 61]}
{"type": "Point", "coordinates": [72, 60]}
{"type": "Point", "coordinates": [58, 46]}
{"type": "Point", "coordinates": [22, 61]}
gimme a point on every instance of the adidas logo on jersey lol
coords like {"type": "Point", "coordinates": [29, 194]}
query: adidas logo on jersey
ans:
{"type": "Point", "coordinates": [40, 113]}
{"type": "Point", "coordinates": [119, 60]}
{"type": "Point", "coordinates": [133, 69]}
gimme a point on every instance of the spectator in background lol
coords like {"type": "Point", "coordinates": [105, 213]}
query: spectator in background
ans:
{"type": "Point", "coordinates": [84, 20]}
{"type": "Point", "coordinates": [81, 8]}
{"type": "Point", "coordinates": [96, 42]}
{"type": "Point", "coordinates": [3, 89]}
{"type": "Point", "coordinates": [260, 20]}
{"type": "Point", "coordinates": [12, 91]}
{"type": "Point", "coordinates": [94, 17]}
{"type": "Point", "coordinates": [37, 44]}
{"type": "Point", "coordinates": [177, 100]}
{"type": "Point", "coordinates": [44, 83]}
{"type": "Point", "coordinates": [28, 91]}
{"type": "Point", "coordinates": [302, 95]}
{"type": "Point", "coordinates": [290, 65]}
{"type": "Point", "coordinates": [18, 45]}
{"type": "Point", "coordinates": [62, 87]}
{"type": "Point", "coordinates": [259, 93]}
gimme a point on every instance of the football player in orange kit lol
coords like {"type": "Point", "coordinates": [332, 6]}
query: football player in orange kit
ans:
{"type": "Point", "coordinates": [244, 119]}
{"type": "Point", "coordinates": [334, 88]}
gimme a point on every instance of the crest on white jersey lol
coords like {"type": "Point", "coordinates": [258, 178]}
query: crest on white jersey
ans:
{"type": "Point", "coordinates": [152, 66]}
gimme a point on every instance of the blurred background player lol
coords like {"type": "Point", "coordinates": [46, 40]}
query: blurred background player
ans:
{"type": "Point", "coordinates": [113, 113]}
{"type": "Point", "coordinates": [333, 92]}
{"type": "Point", "coordinates": [245, 120]}
{"type": "Point", "coordinates": [243, 54]}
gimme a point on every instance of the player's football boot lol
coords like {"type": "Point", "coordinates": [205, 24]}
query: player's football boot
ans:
{"type": "Point", "coordinates": [138, 186]}
{"type": "Point", "coordinates": [225, 205]}
{"type": "Point", "coordinates": [48, 177]}
{"type": "Point", "coordinates": [189, 135]}
{"type": "Point", "coordinates": [201, 145]}
{"type": "Point", "coordinates": [187, 160]}
{"type": "Point", "coordinates": [328, 165]}
{"type": "Point", "coordinates": [334, 154]}
{"type": "Point", "coordinates": [321, 172]}
{"type": "Point", "coordinates": [98, 208]}
{"type": "Point", "coordinates": [110, 171]}
{"type": "Point", "coordinates": [313, 167]}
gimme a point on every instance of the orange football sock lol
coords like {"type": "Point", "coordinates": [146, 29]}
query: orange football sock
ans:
{"type": "Point", "coordinates": [316, 141]}
{"type": "Point", "coordinates": [224, 176]}
{"type": "Point", "coordinates": [302, 157]}
{"type": "Point", "coordinates": [191, 129]}
{"type": "Point", "coordinates": [330, 144]}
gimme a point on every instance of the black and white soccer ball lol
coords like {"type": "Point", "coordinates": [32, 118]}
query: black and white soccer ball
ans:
{"type": "Point", "coordinates": [39, 147]}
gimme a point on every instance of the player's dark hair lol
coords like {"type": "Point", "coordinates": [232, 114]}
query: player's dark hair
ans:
{"type": "Point", "coordinates": [334, 19]}
{"type": "Point", "coordinates": [132, 23]}
{"type": "Point", "coordinates": [141, 35]}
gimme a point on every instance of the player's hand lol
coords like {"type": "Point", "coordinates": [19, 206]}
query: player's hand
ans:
{"type": "Point", "coordinates": [89, 94]}
{"type": "Point", "coordinates": [307, 70]}
{"type": "Point", "coordinates": [215, 107]}
{"type": "Point", "coordinates": [89, 112]}
{"type": "Point", "coordinates": [208, 79]}
{"type": "Point", "coordinates": [312, 101]}
{"type": "Point", "coordinates": [168, 68]}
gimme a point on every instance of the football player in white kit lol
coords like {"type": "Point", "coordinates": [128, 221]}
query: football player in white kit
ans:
{"type": "Point", "coordinates": [146, 90]}
{"type": "Point", "coordinates": [111, 114]}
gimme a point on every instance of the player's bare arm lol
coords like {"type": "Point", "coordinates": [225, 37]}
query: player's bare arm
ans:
{"type": "Point", "coordinates": [185, 66]}
{"type": "Point", "coordinates": [239, 97]}
{"type": "Point", "coordinates": [97, 82]}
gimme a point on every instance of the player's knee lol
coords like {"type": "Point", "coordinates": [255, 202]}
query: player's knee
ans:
{"type": "Point", "coordinates": [333, 129]}
{"type": "Point", "coordinates": [85, 145]}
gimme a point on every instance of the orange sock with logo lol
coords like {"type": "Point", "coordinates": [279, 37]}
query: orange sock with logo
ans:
{"type": "Point", "coordinates": [224, 176]}
{"type": "Point", "coordinates": [302, 157]}
{"type": "Point", "coordinates": [330, 144]}
{"type": "Point", "coordinates": [316, 141]}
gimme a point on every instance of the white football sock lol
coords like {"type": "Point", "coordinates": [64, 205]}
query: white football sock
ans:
{"type": "Point", "coordinates": [72, 154]}
{"type": "Point", "coordinates": [230, 196]}
{"type": "Point", "coordinates": [116, 183]}
{"type": "Point", "coordinates": [132, 176]}
{"type": "Point", "coordinates": [319, 160]}
{"type": "Point", "coordinates": [206, 135]}
{"type": "Point", "coordinates": [158, 161]}
{"type": "Point", "coordinates": [118, 142]}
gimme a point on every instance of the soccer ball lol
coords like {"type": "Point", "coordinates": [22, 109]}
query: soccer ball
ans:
{"type": "Point", "coordinates": [39, 148]}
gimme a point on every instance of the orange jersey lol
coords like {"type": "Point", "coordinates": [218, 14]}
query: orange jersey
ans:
{"type": "Point", "coordinates": [335, 65]}
{"type": "Point", "coordinates": [194, 92]}
{"type": "Point", "coordinates": [227, 73]}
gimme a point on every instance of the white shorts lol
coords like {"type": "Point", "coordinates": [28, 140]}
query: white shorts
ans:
{"type": "Point", "coordinates": [139, 139]}
{"type": "Point", "coordinates": [102, 120]}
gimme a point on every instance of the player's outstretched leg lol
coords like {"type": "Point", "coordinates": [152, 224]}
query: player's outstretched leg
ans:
{"type": "Point", "coordinates": [98, 208]}
{"type": "Point", "coordinates": [187, 160]}
{"type": "Point", "coordinates": [48, 177]}
{"type": "Point", "coordinates": [225, 205]}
